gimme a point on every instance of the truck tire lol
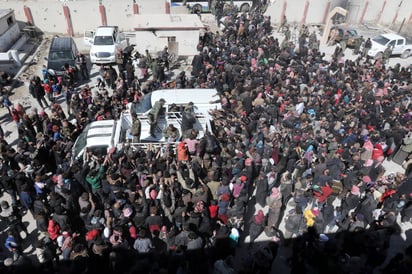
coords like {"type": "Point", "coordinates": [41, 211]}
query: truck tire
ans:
{"type": "Point", "coordinates": [406, 54]}
{"type": "Point", "coordinates": [378, 56]}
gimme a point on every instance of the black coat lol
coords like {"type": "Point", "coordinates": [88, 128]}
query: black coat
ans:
{"type": "Point", "coordinates": [255, 230]}
{"type": "Point", "coordinates": [261, 191]}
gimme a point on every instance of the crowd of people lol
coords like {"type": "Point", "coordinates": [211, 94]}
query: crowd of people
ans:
{"type": "Point", "coordinates": [298, 134]}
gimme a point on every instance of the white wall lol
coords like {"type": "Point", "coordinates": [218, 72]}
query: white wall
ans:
{"type": "Point", "coordinates": [48, 14]}
{"type": "Point", "coordinates": [187, 41]}
{"type": "Point", "coordinates": [8, 38]}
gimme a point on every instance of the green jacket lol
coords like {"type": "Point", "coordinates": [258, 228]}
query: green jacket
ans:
{"type": "Point", "coordinates": [95, 182]}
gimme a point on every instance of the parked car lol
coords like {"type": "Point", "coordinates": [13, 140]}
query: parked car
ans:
{"type": "Point", "coordinates": [63, 50]}
{"type": "Point", "coordinates": [352, 36]}
{"type": "Point", "coordinates": [107, 44]}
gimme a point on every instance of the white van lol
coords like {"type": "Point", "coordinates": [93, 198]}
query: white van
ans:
{"type": "Point", "coordinates": [107, 45]}
{"type": "Point", "coordinates": [100, 136]}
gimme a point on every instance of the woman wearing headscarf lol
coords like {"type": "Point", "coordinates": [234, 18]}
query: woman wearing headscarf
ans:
{"type": "Point", "coordinates": [274, 201]}
{"type": "Point", "coordinates": [261, 185]}
{"type": "Point", "coordinates": [257, 224]}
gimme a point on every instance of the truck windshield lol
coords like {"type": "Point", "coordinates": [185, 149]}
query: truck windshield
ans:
{"type": "Point", "coordinates": [144, 104]}
{"type": "Point", "coordinates": [80, 142]}
{"type": "Point", "coordinates": [103, 40]}
{"type": "Point", "coordinates": [381, 40]}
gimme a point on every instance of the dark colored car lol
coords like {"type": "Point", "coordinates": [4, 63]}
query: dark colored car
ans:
{"type": "Point", "coordinates": [63, 50]}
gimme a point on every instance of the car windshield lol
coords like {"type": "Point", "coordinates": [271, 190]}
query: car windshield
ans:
{"type": "Point", "coordinates": [381, 40]}
{"type": "Point", "coordinates": [103, 40]}
{"type": "Point", "coordinates": [80, 142]}
{"type": "Point", "coordinates": [143, 105]}
{"type": "Point", "coordinates": [60, 55]}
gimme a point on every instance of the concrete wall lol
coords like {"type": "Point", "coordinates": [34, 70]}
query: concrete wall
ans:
{"type": "Point", "coordinates": [8, 38]}
{"type": "Point", "coordinates": [373, 13]}
{"type": "Point", "coordinates": [49, 16]}
{"type": "Point", "coordinates": [186, 41]}
{"type": "Point", "coordinates": [4, 22]}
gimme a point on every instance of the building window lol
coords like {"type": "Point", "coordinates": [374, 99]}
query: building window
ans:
{"type": "Point", "coordinates": [10, 21]}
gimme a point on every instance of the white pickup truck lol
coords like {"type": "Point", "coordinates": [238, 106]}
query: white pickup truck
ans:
{"type": "Point", "coordinates": [99, 136]}
{"type": "Point", "coordinates": [107, 45]}
{"type": "Point", "coordinates": [400, 45]}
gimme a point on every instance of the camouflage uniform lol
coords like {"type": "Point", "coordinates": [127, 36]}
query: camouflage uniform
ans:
{"type": "Point", "coordinates": [287, 34]}
{"type": "Point", "coordinates": [358, 44]}
{"type": "Point", "coordinates": [171, 133]}
{"type": "Point", "coordinates": [154, 114]}
{"type": "Point", "coordinates": [313, 41]}
{"type": "Point", "coordinates": [386, 55]}
{"type": "Point", "coordinates": [136, 128]}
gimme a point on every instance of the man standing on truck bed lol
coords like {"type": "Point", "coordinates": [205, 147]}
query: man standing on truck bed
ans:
{"type": "Point", "coordinates": [136, 128]}
{"type": "Point", "coordinates": [154, 114]}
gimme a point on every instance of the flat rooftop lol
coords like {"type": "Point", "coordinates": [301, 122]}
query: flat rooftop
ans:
{"type": "Point", "coordinates": [168, 21]}
{"type": "Point", "coordinates": [5, 12]}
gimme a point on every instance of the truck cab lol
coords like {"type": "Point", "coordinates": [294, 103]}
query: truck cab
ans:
{"type": "Point", "coordinates": [107, 44]}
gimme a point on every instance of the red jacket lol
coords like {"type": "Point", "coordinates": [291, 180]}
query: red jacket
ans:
{"type": "Point", "coordinates": [53, 229]}
{"type": "Point", "coordinates": [213, 209]}
{"type": "Point", "coordinates": [324, 194]}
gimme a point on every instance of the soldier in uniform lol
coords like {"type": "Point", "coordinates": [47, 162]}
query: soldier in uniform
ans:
{"type": "Point", "coordinates": [287, 33]}
{"type": "Point", "coordinates": [387, 54]}
{"type": "Point", "coordinates": [154, 114]}
{"type": "Point", "coordinates": [358, 44]}
{"type": "Point", "coordinates": [344, 41]}
{"type": "Point", "coordinates": [136, 128]}
{"type": "Point", "coordinates": [366, 48]}
{"type": "Point", "coordinates": [313, 41]}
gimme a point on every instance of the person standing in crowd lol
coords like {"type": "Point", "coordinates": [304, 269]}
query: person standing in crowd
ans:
{"type": "Point", "coordinates": [386, 55]}
{"type": "Point", "coordinates": [13, 245]}
{"type": "Point", "coordinates": [171, 133]}
{"type": "Point", "coordinates": [366, 47]}
{"type": "Point", "coordinates": [165, 57]}
{"type": "Point", "coordinates": [358, 44]}
{"type": "Point", "coordinates": [37, 91]}
{"type": "Point", "coordinates": [82, 63]}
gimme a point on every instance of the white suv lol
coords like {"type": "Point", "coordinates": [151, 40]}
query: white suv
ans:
{"type": "Point", "coordinates": [107, 46]}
